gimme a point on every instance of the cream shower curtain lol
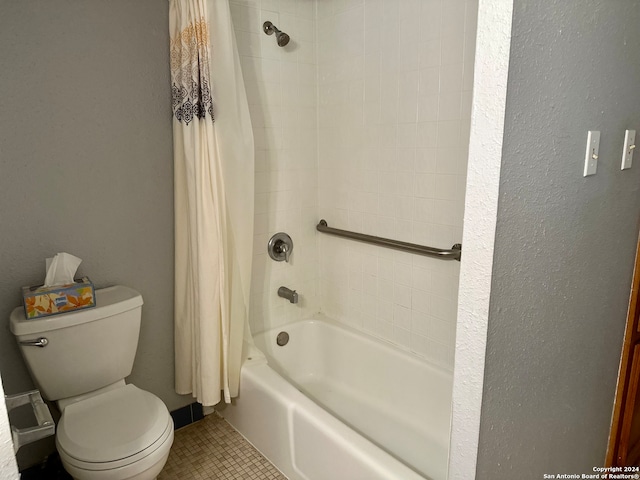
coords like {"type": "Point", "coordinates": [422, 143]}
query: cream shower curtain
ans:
{"type": "Point", "coordinates": [213, 190]}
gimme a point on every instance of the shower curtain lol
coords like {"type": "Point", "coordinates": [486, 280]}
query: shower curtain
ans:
{"type": "Point", "coordinates": [213, 198]}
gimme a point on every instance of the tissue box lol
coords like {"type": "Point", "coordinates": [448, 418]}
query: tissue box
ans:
{"type": "Point", "coordinates": [42, 301]}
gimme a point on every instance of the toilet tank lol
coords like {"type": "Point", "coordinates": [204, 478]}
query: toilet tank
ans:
{"type": "Point", "coordinates": [85, 350]}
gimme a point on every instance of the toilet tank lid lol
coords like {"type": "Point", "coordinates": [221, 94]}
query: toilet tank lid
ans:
{"type": "Point", "coordinates": [109, 301]}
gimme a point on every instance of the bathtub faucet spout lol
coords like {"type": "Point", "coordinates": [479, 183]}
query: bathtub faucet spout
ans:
{"type": "Point", "coordinates": [289, 294]}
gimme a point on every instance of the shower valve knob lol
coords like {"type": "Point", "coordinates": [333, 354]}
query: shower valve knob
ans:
{"type": "Point", "coordinates": [285, 249]}
{"type": "Point", "coordinates": [280, 247]}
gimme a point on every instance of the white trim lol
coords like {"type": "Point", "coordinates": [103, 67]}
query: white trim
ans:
{"type": "Point", "coordinates": [8, 465]}
{"type": "Point", "coordinates": [481, 203]}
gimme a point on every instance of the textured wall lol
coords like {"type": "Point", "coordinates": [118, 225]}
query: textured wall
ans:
{"type": "Point", "coordinates": [565, 244]}
{"type": "Point", "coordinates": [86, 163]}
{"type": "Point", "coordinates": [481, 206]}
{"type": "Point", "coordinates": [281, 89]}
{"type": "Point", "coordinates": [394, 93]}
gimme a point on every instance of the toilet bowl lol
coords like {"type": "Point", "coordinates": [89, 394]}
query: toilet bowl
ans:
{"type": "Point", "coordinates": [125, 433]}
{"type": "Point", "coordinates": [109, 430]}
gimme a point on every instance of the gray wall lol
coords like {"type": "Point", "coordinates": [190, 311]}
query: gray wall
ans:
{"type": "Point", "coordinates": [86, 163]}
{"type": "Point", "coordinates": [565, 244]}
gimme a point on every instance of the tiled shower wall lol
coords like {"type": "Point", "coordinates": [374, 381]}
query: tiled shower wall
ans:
{"type": "Point", "coordinates": [281, 86]}
{"type": "Point", "coordinates": [362, 120]}
{"type": "Point", "coordinates": [395, 80]}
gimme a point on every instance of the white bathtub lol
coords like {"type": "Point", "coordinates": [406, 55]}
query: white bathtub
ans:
{"type": "Point", "coordinates": [337, 404]}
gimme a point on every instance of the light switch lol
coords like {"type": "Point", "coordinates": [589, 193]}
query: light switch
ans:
{"type": "Point", "coordinates": [629, 147]}
{"type": "Point", "coordinates": [591, 155]}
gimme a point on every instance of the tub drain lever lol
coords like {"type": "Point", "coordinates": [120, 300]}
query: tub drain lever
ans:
{"type": "Point", "coordinates": [45, 428]}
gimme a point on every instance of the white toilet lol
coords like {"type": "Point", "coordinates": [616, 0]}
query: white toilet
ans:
{"type": "Point", "coordinates": [108, 430]}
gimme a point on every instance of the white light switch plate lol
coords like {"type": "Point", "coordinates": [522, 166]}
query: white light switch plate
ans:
{"type": "Point", "coordinates": [591, 155]}
{"type": "Point", "coordinates": [629, 147]}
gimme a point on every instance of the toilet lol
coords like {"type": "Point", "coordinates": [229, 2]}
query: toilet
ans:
{"type": "Point", "coordinates": [109, 430]}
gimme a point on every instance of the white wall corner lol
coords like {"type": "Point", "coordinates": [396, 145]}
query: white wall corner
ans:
{"type": "Point", "coordinates": [481, 205]}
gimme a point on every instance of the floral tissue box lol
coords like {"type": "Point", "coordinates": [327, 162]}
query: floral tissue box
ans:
{"type": "Point", "coordinates": [42, 301]}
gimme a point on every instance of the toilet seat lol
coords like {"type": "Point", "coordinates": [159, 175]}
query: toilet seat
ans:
{"type": "Point", "coordinates": [113, 429]}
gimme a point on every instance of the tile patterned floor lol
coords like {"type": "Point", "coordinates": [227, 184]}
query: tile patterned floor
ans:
{"type": "Point", "coordinates": [212, 449]}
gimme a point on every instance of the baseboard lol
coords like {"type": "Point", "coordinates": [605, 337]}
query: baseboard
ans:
{"type": "Point", "coordinates": [187, 415]}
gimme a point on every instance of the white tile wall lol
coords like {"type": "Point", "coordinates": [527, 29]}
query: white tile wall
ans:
{"type": "Point", "coordinates": [363, 120]}
{"type": "Point", "coordinates": [394, 93]}
{"type": "Point", "coordinates": [281, 86]}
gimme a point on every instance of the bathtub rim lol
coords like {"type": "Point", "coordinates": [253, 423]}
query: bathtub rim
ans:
{"type": "Point", "coordinates": [321, 318]}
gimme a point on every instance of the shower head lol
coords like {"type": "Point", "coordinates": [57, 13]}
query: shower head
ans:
{"type": "Point", "coordinates": [281, 37]}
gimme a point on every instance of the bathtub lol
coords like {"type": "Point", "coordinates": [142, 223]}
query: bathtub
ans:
{"type": "Point", "coordinates": [337, 404]}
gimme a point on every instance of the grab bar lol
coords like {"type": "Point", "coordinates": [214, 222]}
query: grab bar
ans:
{"type": "Point", "coordinates": [453, 254]}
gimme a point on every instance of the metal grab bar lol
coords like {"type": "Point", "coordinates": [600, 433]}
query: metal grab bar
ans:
{"type": "Point", "coordinates": [453, 254]}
